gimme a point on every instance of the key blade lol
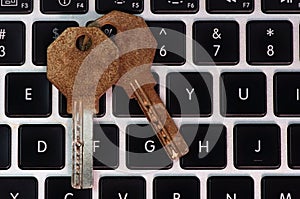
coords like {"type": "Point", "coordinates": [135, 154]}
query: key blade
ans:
{"type": "Point", "coordinates": [82, 165]}
{"type": "Point", "coordinates": [174, 144]}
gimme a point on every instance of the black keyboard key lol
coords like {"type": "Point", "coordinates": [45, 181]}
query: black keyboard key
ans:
{"type": "Point", "coordinates": [41, 147]}
{"type": "Point", "coordinates": [176, 187]}
{"type": "Point", "coordinates": [16, 6]}
{"type": "Point", "coordinates": [27, 95]}
{"type": "Point", "coordinates": [108, 29]}
{"type": "Point", "coordinates": [63, 106]}
{"type": "Point", "coordinates": [125, 107]}
{"type": "Point", "coordinates": [189, 94]}
{"type": "Point", "coordinates": [44, 33]}
{"type": "Point", "coordinates": [293, 134]}
{"type": "Point", "coordinates": [207, 145]}
{"type": "Point", "coordinates": [106, 138]}
{"type": "Point", "coordinates": [287, 84]}
{"type": "Point", "coordinates": [280, 6]}
{"type": "Point", "coordinates": [64, 6]}
{"type": "Point", "coordinates": [18, 188]}
{"type": "Point", "coordinates": [216, 43]}
{"type": "Point", "coordinates": [257, 146]}
{"type": "Point", "coordinates": [60, 187]}
{"type": "Point", "coordinates": [122, 187]}
{"type": "Point", "coordinates": [269, 42]}
{"type": "Point", "coordinates": [230, 187]}
{"type": "Point", "coordinates": [143, 149]}
{"type": "Point", "coordinates": [5, 147]}
{"type": "Point", "coordinates": [166, 32]}
{"type": "Point", "coordinates": [229, 6]}
{"type": "Point", "coordinates": [12, 43]}
{"type": "Point", "coordinates": [174, 6]}
{"type": "Point", "coordinates": [282, 187]}
{"type": "Point", "coordinates": [129, 6]}
{"type": "Point", "coordinates": [243, 94]}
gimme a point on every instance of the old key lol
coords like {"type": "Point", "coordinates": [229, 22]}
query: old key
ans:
{"type": "Point", "coordinates": [83, 65]}
{"type": "Point", "coordinates": [137, 47]}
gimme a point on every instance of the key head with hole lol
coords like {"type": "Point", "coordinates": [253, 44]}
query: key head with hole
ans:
{"type": "Point", "coordinates": [136, 44]}
{"type": "Point", "coordinates": [82, 63]}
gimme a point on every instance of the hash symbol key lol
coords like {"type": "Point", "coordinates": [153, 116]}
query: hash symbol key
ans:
{"type": "Point", "coordinates": [82, 64]}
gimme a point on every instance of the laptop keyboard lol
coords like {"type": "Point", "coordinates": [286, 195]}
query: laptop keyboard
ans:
{"type": "Point", "coordinates": [227, 70]}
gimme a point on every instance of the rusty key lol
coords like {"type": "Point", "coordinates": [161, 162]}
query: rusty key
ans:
{"type": "Point", "coordinates": [83, 65]}
{"type": "Point", "coordinates": [137, 47]}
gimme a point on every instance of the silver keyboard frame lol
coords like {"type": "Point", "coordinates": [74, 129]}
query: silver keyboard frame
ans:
{"type": "Point", "coordinates": [109, 118]}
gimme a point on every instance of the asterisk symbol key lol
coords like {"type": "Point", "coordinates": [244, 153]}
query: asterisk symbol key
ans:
{"type": "Point", "coordinates": [270, 32]}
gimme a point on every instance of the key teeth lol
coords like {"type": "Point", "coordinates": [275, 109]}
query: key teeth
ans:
{"type": "Point", "coordinates": [160, 120]}
{"type": "Point", "coordinates": [177, 147]}
{"type": "Point", "coordinates": [84, 186]}
{"type": "Point", "coordinates": [77, 186]}
{"type": "Point", "coordinates": [82, 167]}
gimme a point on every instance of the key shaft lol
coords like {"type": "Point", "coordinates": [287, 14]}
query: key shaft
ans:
{"type": "Point", "coordinates": [160, 120]}
{"type": "Point", "coordinates": [82, 157]}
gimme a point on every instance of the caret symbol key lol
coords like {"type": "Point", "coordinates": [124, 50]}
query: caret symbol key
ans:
{"type": "Point", "coordinates": [83, 65]}
{"type": "Point", "coordinates": [137, 47]}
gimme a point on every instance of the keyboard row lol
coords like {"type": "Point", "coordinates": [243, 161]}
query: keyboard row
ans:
{"type": "Point", "coordinates": [214, 42]}
{"type": "Point", "coordinates": [135, 187]}
{"type": "Point", "coordinates": [255, 146]}
{"type": "Point", "coordinates": [188, 94]}
{"type": "Point", "coordinates": [157, 6]}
